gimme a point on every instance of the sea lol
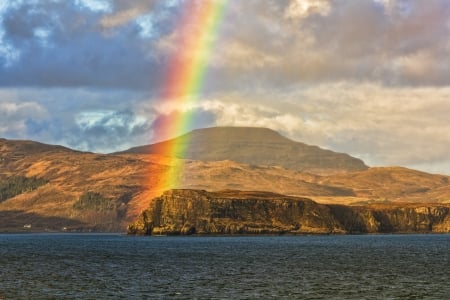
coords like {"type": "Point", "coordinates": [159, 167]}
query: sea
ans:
{"type": "Point", "coordinates": [116, 266]}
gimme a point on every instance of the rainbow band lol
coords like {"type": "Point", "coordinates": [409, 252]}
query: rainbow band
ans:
{"type": "Point", "coordinates": [199, 26]}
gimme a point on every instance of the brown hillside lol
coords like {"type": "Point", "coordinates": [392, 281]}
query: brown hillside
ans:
{"type": "Point", "coordinates": [88, 191]}
{"type": "Point", "coordinates": [394, 184]}
{"type": "Point", "coordinates": [69, 175]}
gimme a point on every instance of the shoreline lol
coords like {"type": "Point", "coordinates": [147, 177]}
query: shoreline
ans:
{"type": "Point", "coordinates": [215, 234]}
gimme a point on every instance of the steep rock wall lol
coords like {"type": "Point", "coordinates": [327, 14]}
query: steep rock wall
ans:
{"type": "Point", "coordinates": [236, 212]}
{"type": "Point", "coordinates": [191, 211]}
{"type": "Point", "coordinates": [394, 219]}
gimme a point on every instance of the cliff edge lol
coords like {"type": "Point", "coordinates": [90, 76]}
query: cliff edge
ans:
{"type": "Point", "coordinates": [236, 212]}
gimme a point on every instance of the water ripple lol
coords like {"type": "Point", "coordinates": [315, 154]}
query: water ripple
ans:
{"type": "Point", "coordinates": [43, 266]}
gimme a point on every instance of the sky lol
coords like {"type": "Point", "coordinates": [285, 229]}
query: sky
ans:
{"type": "Point", "coordinates": [366, 77]}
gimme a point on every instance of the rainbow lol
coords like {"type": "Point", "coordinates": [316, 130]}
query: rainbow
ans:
{"type": "Point", "coordinates": [197, 30]}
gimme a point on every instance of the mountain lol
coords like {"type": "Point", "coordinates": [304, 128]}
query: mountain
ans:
{"type": "Point", "coordinates": [55, 188]}
{"type": "Point", "coordinates": [22, 148]}
{"type": "Point", "coordinates": [254, 146]}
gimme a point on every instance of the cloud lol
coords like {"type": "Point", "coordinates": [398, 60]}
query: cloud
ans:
{"type": "Point", "coordinates": [124, 12]}
{"type": "Point", "coordinates": [192, 118]}
{"type": "Point", "coordinates": [107, 131]}
{"type": "Point", "coordinates": [251, 114]}
{"type": "Point", "coordinates": [94, 5]}
{"type": "Point", "coordinates": [340, 40]}
{"type": "Point", "coordinates": [304, 8]}
{"type": "Point", "coordinates": [57, 45]}
{"type": "Point", "coordinates": [15, 115]}
{"type": "Point", "coordinates": [127, 44]}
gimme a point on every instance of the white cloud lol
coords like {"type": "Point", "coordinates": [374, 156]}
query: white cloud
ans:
{"type": "Point", "coordinates": [146, 23]}
{"type": "Point", "coordinates": [95, 5]}
{"type": "Point", "coordinates": [303, 8]}
{"type": "Point", "coordinates": [15, 114]}
{"type": "Point", "coordinates": [121, 17]}
{"type": "Point", "coordinates": [248, 114]}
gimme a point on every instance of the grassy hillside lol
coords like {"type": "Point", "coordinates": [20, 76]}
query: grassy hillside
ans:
{"type": "Point", "coordinates": [255, 146]}
{"type": "Point", "coordinates": [52, 187]}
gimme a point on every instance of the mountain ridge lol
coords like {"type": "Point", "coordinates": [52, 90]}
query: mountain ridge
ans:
{"type": "Point", "coordinates": [255, 146]}
{"type": "Point", "coordinates": [53, 187]}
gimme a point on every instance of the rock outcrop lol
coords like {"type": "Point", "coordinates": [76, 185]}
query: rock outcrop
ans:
{"type": "Point", "coordinates": [237, 212]}
{"type": "Point", "coordinates": [233, 212]}
{"type": "Point", "coordinates": [394, 218]}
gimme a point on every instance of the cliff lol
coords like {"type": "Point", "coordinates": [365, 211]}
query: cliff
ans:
{"type": "Point", "coordinates": [393, 218]}
{"type": "Point", "coordinates": [236, 212]}
{"type": "Point", "coordinates": [233, 212]}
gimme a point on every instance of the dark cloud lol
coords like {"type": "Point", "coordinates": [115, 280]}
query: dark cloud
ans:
{"type": "Point", "coordinates": [278, 44]}
{"type": "Point", "coordinates": [59, 45]}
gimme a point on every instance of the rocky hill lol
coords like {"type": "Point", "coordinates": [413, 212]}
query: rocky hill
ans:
{"type": "Point", "coordinates": [254, 146]}
{"type": "Point", "coordinates": [52, 187]}
{"type": "Point", "coordinates": [55, 188]}
{"type": "Point", "coordinates": [236, 212]}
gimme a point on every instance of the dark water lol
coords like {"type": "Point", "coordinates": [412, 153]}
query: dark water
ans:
{"type": "Point", "coordinates": [47, 266]}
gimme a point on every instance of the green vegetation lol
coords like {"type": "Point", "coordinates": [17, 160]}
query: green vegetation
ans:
{"type": "Point", "coordinates": [17, 185]}
{"type": "Point", "coordinates": [94, 201]}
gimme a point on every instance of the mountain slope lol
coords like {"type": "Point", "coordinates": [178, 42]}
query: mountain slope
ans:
{"type": "Point", "coordinates": [255, 146]}
{"type": "Point", "coordinates": [393, 184]}
{"type": "Point", "coordinates": [67, 176]}
{"type": "Point", "coordinates": [52, 187]}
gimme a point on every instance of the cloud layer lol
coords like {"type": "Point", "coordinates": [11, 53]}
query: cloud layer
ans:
{"type": "Point", "coordinates": [281, 43]}
{"type": "Point", "coordinates": [370, 77]}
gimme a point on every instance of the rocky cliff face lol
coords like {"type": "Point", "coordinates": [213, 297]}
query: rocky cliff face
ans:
{"type": "Point", "coordinates": [235, 212]}
{"type": "Point", "coordinates": [232, 212]}
{"type": "Point", "coordinates": [393, 218]}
